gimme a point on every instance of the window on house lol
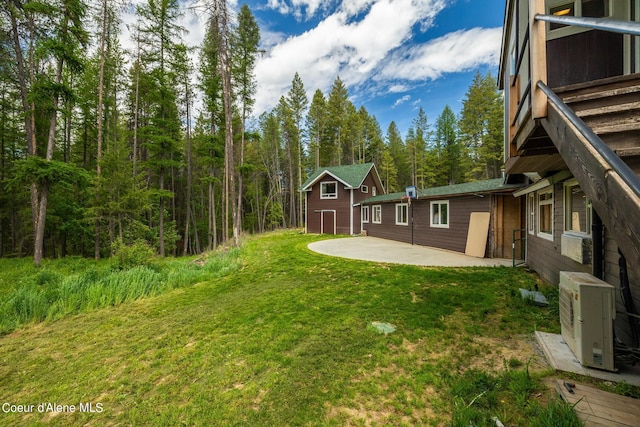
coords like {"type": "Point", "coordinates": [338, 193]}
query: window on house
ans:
{"type": "Point", "coordinates": [364, 189]}
{"type": "Point", "coordinates": [373, 191]}
{"type": "Point", "coordinates": [329, 190]}
{"type": "Point", "coordinates": [577, 209]}
{"type": "Point", "coordinates": [365, 214]}
{"type": "Point", "coordinates": [402, 214]}
{"type": "Point", "coordinates": [440, 214]}
{"type": "Point", "coordinates": [532, 213]}
{"type": "Point", "coordinates": [595, 8]}
{"type": "Point", "coordinates": [586, 8]}
{"type": "Point", "coordinates": [565, 9]}
{"type": "Point", "coordinates": [545, 213]}
{"type": "Point", "coordinates": [377, 214]}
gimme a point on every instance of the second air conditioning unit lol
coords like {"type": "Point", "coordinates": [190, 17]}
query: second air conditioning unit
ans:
{"type": "Point", "coordinates": [587, 310]}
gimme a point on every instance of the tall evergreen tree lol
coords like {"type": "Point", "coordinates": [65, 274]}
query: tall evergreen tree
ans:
{"type": "Point", "coordinates": [212, 120]}
{"type": "Point", "coordinates": [244, 48]}
{"type": "Point", "coordinates": [331, 150]}
{"type": "Point", "coordinates": [160, 36]}
{"type": "Point", "coordinates": [297, 101]}
{"type": "Point", "coordinates": [316, 128]}
{"type": "Point", "coordinates": [56, 33]}
{"type": "Point", "coordinates": [481, 127]}
{"type": "Point", "coordinates": [448, 149]}
{"type": "Point", "coordinates": [398, 153]}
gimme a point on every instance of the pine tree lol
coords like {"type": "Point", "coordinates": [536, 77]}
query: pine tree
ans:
{"type": "Point", "coordinates": [212, 125]}
{"type": "Point", "coordinates": [448, 149]}
{"type": "Point", "coordinates": [297, 102]}
{"type": "Point", "coordinates": [388, 172]}
{"type": "Point", "coordinates": [481, 127]}
{"type": "Point", "coordinates": [398, 153]}
{"type": "Point", "coordinates": [55, 30]}
{"type": "Point", "coordinates": [331, 149]}
{"type": "Point", "coordinates": [244, 47]}
{"type": "Point", "coordinates": [159, 39]}
{"type": "Point", "coordinates": [316, 127]}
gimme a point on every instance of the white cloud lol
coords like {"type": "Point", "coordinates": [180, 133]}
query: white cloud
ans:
{"type": "Point", "coordinates": [298, 8]}
{"type": "Point", "coordinates": [368, 43]}
{"type": "Point", "coordinates": [455, 52]}
{"type": "Point", "coordinates": [344, 43]}
{"type": "Point", "coordinates": [401, 100]}
{"type": "Point", "coordinates": [397, 88]}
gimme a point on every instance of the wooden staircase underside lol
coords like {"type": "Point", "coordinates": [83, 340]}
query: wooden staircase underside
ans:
{"type": "Point", "coordinates": [611, 108]}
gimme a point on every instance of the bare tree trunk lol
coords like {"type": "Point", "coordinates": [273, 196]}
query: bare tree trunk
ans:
{"type": "Point", "coordinates": [99, 120]}
{"type": "Point", "coordinates": [213, 223]}
{"type": "Point", "coordinates": [220, 16]}
{"type": "Point", "coordinates": [189, 171]}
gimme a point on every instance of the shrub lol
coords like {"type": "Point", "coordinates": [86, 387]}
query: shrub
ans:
{"type": "Point", "coordinates": [136, 254]}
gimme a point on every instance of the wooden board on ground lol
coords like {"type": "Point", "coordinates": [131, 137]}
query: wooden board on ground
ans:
{"type": "Point", "coordinates": [596, 407]}
{"type": "Point", "coordinates": [477, 234]}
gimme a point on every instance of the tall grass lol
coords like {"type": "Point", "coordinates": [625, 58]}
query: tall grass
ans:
{"type": "Point", "coordinates": [49, 295]}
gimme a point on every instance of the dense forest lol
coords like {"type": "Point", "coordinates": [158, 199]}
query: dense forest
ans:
{"type": "Point", "coordinates": [102, 145]}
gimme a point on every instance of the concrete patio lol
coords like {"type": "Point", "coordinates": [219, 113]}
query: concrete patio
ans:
{"type": "Point", "coordinates": [389, 251]}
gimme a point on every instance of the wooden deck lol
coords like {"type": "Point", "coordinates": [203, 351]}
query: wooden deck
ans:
{"type": "Point", "coordinates": [599, 408]}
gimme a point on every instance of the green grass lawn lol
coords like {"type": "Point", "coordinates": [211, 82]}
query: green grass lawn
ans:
{"type": "Point", "coordinates": [286, 339]}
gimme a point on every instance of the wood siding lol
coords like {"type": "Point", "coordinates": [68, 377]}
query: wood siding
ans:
{"type": "Point", "coordinates": [546, 259]}
{"type": "Point", "coordinates": [453, 238]}
{"type": "Point", "coordinates": [507, 217]}
{"type": "Point", "coordinates": [341, 206]}
{"type": "Point", "coordinates": [583, 57]}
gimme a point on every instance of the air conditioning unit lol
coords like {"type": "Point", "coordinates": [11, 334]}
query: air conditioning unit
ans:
{"type": "Point", "coordinates": [587, 310]}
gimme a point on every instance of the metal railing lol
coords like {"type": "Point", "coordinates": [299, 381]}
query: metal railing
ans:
{"type": "Point", "coordinates": [611, 25]}
{"type": "Point", "coordinates": [522, 239]}
{"type": "Point", "coordinates": [605, 24]}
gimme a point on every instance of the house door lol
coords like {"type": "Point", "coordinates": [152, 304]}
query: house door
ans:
{"type": "Point", "coordinates": [328, 222]}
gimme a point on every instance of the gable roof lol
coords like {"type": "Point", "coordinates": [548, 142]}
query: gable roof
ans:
{"type": "Point", "coordinates": [477, 187]}
{"type": "Point", "coordinates": [352, 176]}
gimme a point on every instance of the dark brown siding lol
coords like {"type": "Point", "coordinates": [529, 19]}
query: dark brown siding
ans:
{"type": "Point", "coordinates": [341, 206]}
{"type": "Point", "coordinates": [584, 57]}
{"type": "Point", "coordinates": [359, 196]}
{"type": "Point", "coordinates": [545, 257]}
{"type": "Point", "coordinates": [453, 238]}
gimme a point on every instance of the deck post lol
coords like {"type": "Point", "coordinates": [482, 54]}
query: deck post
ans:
{"type": "Point", "coordinates": [538, 54]}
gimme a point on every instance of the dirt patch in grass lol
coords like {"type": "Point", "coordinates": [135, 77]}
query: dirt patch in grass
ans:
{"type": "Point", "coordinates": [390, 394]}
{"type": "Point", "coordinates": [512, 352]}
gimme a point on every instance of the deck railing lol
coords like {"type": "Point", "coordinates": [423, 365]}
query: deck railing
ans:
{"type": "Point", "coordinates": [609, 156]}
{"type": "Point", "coordinates": [534, 41]}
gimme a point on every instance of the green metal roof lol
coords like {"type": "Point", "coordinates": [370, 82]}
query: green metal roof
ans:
{"type": "Point", "coordinates": [477, 187]}
{"type": "Point", "coordinates": [350, 175]}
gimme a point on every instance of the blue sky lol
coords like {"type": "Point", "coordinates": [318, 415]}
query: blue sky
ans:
{"type": "Point", "coordinates": [395, 56]}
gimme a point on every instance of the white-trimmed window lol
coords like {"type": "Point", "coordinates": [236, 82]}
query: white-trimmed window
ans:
{"type": "Point", "coordinates": [545, 213]}
{"type": "Point", "coordinates": [577, 209]}
{"type": "Point", "coordinates": [373, 191]}
{"type": "Point", "coordinates": [329, 190]}
{"type": "Point", "coordinates": [364, 188]}
{"type": "Point", "coordinates": [402, 214]}
{"type": "Point", "coordinates": [365, 214]}
{"type": "Point", "coordinates": [584, 8]}
{"type": "Point", "coordinates": [376, 214]}
{"type": "Point", "coordinates": [531, 211]}
{"type": "Point", "coordinates": [440, 214]}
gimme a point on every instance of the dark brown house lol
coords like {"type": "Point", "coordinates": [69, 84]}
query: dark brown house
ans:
{"type": "Point", "coordinates": [440, 216]}
{"type": "Point", "coordinates": [570, 70]}
{"type": "Point", "coordinates": [333, 194]}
